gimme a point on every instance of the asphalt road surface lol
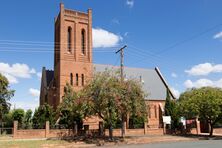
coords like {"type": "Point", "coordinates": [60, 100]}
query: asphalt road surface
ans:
{"type": "Point", "coordinates": [186, 144]}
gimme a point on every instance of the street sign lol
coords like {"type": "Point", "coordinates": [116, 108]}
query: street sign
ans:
{"type": "Point", "coordinates": [167, 119]}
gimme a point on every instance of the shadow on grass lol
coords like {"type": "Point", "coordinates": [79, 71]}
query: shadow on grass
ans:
{"type": "Point", "coordinates": [97, 140]}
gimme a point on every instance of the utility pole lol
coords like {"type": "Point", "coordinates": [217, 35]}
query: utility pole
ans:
{"type": "Point", "coordinates": [122, 78]}
{"type": "Point", "coordinates": [121, 61]}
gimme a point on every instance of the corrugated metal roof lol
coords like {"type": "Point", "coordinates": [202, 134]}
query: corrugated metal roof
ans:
{"type": "Point", "coordinates": [152, 83]}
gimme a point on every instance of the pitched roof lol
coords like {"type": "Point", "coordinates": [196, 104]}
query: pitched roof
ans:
{"type": "Point", "coordinates": [152, 80]}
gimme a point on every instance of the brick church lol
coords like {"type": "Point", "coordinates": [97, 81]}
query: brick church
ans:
{"type": "Point", "coordinates": [73, 64]}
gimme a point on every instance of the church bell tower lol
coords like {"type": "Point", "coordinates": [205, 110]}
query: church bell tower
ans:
{"type": "Point", "coordinates": [73, 50]}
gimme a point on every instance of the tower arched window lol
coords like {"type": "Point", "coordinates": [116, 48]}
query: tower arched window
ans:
{"type": "Point", "coordinates": [71, 79]}
{"type": "Point", "coordinates": [82, 79]}
{"type": "Point", "coordinates": [77, 79]}
{"type": "Point", "coordinates": [83, 35]}
{"type": "Point", "coordinates": [69, 39]}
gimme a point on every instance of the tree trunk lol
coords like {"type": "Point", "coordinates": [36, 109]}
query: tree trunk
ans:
{"type": "Point", "coordinates": [101, 129]}
{"type": "Point", "coordinates": [110, 131]}
{"type": "Point", "coordinates": [211, 129]}
{"type": "Point", "coordinates": [123, 126]}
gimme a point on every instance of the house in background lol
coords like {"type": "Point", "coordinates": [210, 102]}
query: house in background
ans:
{"type": "Point", "coordinates": [73, 64]}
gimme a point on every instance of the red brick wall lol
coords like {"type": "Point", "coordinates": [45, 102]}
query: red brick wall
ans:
{"type": "Point", "coordinates": [59, 133]}
{"type": "Point", "coordinates": [74, 61]}
{"type": "Point", "coordinates": [218, 131]}
{"type": "Point", "coordinates": [154, 113]}
{"type": "Point", "coordinates": [158, 131]}
{"type": "Point", "coordinates": [136, 132]}
{"type": "Point", "coordinates": [133, 132]}
{"type": "Point", "coordinates": [33, 133]}
{"type": "Point", "coordinates": [48, 133]}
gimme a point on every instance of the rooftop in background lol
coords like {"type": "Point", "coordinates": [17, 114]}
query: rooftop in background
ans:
{"type": "Point", "coordinates": [153, 82]}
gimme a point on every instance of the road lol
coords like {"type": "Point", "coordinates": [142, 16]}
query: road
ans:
{"type": "Point", "coordinates": [186, 144]}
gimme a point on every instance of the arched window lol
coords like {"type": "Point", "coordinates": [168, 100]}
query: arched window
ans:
{"type": "Point", "coordinates": [82, 79]}
{"type": "Point", "coordinates": [77, 79]}
{"type": "Point", "coordinates": [69, 39]}
{"type": "Point", "coordinates": [71, 79]}
{"type": "Point", "coordinates": [83, 34]}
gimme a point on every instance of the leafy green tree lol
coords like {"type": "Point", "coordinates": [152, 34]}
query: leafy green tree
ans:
{"type": "Point", "coordinates": [42, 114]}
{"type": "Point", "coordinates": [205, 103]}
{"type": "Point", "coordinates": [112, 99]}
{"type": "Point", "coordinates": [171, 109]}
{"type": "Point", "coordinates": [73, 108]}
{"type": "Point", "coordinates": [8, 120]}
{"type": "Point", "coordinates": [18, 115]}
{"type": "Point", "coordinates": [5, 95]}
{"type": "Point", "coordinates": [101, 92]}
{"type": "Point", "coordinates": [169, 106]}
{"type": "Point", "coordinates": [132, 102]}
{"type": "Point", "coordinates": [28, 119]}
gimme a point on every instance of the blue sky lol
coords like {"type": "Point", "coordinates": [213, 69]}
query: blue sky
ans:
{"type": "Point", "coordinates": [182, 37]}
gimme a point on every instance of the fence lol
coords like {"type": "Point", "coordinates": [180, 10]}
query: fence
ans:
{"type": "Point", "coordinates": [60, 133]}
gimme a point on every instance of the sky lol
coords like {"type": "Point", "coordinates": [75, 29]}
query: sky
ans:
{"type": "Point", "coordinates": [181, 37]}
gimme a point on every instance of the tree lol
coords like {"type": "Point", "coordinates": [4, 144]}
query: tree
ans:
{"type": "Point", "coordinates": [168, 105]}
{"type": "Point", "coordinates": [73, 108]}
{"type": "Point", "coordinates": [5, 95]}
{"type": "Point", "coordinates": [28, 119]}
{"type": "Point", "coordinates": [18, 115]}
{"type": "Point", "coordinates": [205, 103]}
{"type": "Point", "coordinates": [132, 102]}
{"type": "Point", "coordinates": [8, 120]}
{"type": "Point", "coordinates": [112, 99]}
{"type": "Point", "coordinates": [101, 94]}
{"type": "Point", "coordinates": [171, 110]}
{"type": "Point", "coordinates": [42, 114]}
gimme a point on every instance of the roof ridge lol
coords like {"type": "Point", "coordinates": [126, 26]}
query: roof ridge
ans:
{"type": "Point", "coordinates": [125, 67]}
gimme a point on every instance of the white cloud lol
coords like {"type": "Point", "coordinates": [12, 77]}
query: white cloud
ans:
{"type": "Point", "coordinates": [130, 3]}
{"type": "Point", "coordinates": [11, 79]}
{"type": "Point", "coordinates": [34, 92]}
{"type": "Point", "coordinates": [175, 92]}
{"type": "Point", "coordinates": [32, 71]}
{"type": "Point", "coordinates": [204, 69]}
{"type": "Point", "coordinates": [15, 71]}
{"type": "Point", "coordinates": [103, 38]}
{"type": "Point", "coordinates": [203, 83]}
{"type": "Point", "coordinates": [25, 105]}
{"type": "Point", "coordinates": [188, 84]}
{"type": "Point", "coordinates": [174, 75]}
{"type": "Point", "coordinates": [218, 35]}
{"type": "Point", "coordinates": [39, 75]}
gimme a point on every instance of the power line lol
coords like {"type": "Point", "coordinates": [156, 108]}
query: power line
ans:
{"type": "Point", "coordinates": [39, 43]}
{"type": "Point", "coordinates": [142, 54]}
{"type": "Point", "coordinates": [152, 61]}
{"type": "Point", "coordinates": [189, 38]}
{"type": "Point", "coordinates": [157, 54]}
